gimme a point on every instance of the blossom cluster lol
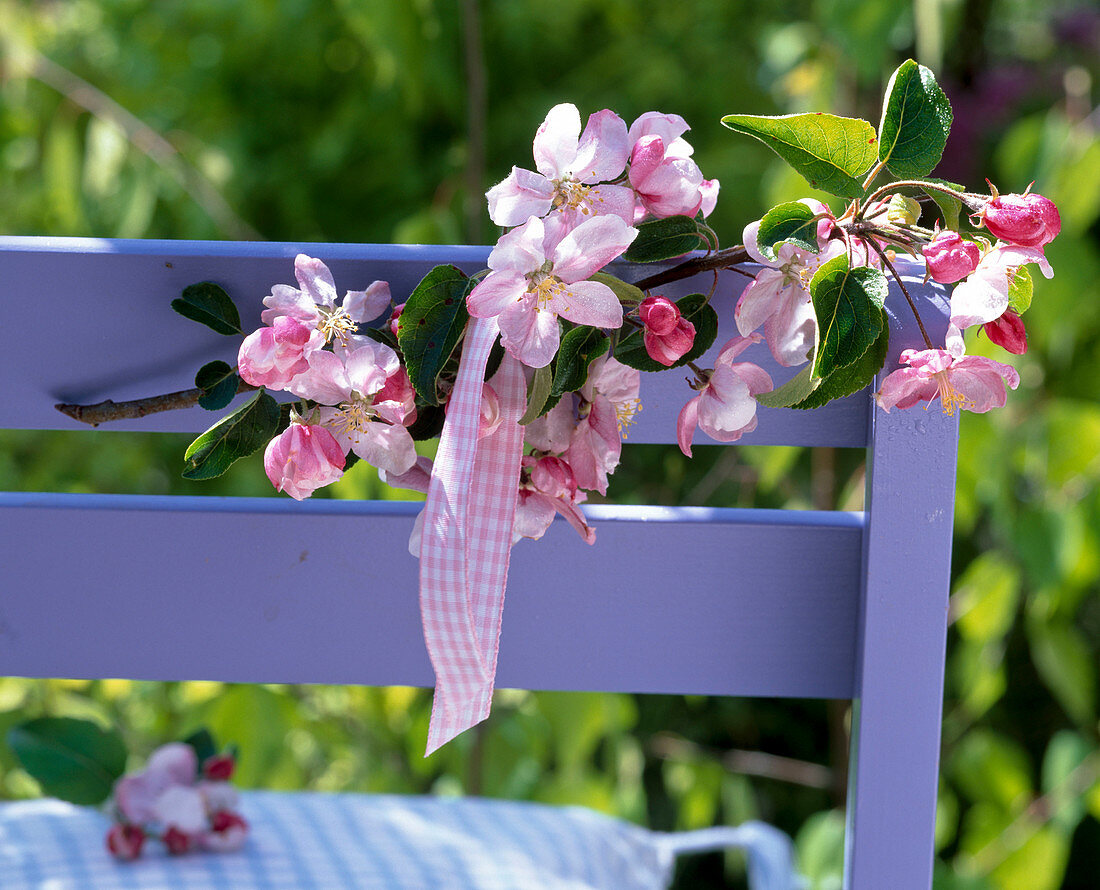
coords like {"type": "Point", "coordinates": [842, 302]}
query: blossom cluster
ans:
{"type": "Point", "coordinates": [186, 805]}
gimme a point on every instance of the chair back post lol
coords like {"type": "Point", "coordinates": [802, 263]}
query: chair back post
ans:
{"type": "Point", "coordinates": [897, 711]}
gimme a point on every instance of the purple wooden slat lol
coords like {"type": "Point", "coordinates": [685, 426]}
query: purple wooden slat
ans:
{"type": "Point", "coordinates": [903, 628]}
{"type": "Point", "coordinates": [692, 600]}
{"type": "Point", "coordinates": [110, 333]}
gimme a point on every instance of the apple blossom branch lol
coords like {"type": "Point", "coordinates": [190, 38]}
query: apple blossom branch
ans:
{"type": "Point", "coordinates": [107, 410]}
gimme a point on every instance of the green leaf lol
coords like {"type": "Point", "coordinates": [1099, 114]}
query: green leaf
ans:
{"type": "Point", "coordinates": [1020, 290]}
{"type": "Point", "coordinates": [796, 390]}
{"type": "Point", "coordinates": [74, 760]}
{"type": "Point", "coordinates": [431, 325]}
{"type": "Point", "coordinates": [916, 118]}
{"type": "Point", "coordinates": [986, 598]}
{"type": "Point", "coordinates": [950, 207]}
{"type": "Point", "coordinates": [235, 436]}
{"type": "Point", "coordinates": [218, 383]}
{"type": "Point", "coordinates": [791, 223]}
{"type": "Point", "coordinates": [845, 303]}
{"type": "Point", "coordinates": [695, 308]}
{"type": "Point", "coordinates": [664, 239]}
{"type": "Point", "coordinates": [1066, 665]}
{"type": "Point", "coordinates": [830, 152]}
{"type": "Point", "coordinates": [579, 348]}
{"type": "Point", "coordinates": [428, 423]}
{"type": "Point", "coordinates": [627, 293]}
{"type": "Point", "coordinates": [208, 304]}
{"type": "Point", "coordinates": [538, 391]}
{"type": "Point", "coordinates": [203, 744]}
{"type": "Point", "coordinates": [851, 378]}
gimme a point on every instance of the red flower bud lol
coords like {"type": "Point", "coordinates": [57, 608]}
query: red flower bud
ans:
{"type": "Point", "coordinates": [177, 842]}
{"type": "Point", "coordinates": [218, 768]}
{"type": "Point", "coordinates": [397, 310]}
{"type": "Point", "coordinates": [125, 841]}
{"type": "Point", "coordinates": [668, 336]}
{"type": "Point", "coordinates": [1027, 220]}
{"type": "Point", "coordinates": [1008, 332]}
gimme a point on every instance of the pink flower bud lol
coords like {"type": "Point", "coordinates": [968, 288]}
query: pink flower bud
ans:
{"type": "Point", "coordinates": [178, 842]}
{"type": "Point", "coordinates": [395, 317]}
{"type": "Point", "coordinates": [1008, 332]}
{"type": "Point", "coordinates": [659, 315]}
{"type": "Point", "coordinates": [668, 336]}
{"type": "Point", "coordinates": [125, 842]}
{"type": "Point", "coordinates": [951, 258]}
{"type": "Point", "coordinates": [219, 768]}
{"type": "Point", "coordinates": [227, 833]}
{"type": "Point", "coordinates": [273, 356]}
{"type": "Point", "coordinates": [1027, 220]}
{"type": "Point", "coordinates": [302, 459]}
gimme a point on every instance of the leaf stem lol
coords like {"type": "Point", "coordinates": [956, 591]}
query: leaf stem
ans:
{"type": "Point", "coordinates": [874, 172]}
{"type": "Point", "coordinates": [904, 290]}
{"type": "Point", "coordinates": [913, 183]}
{"type": "Point", "coordinates": [108, 410]}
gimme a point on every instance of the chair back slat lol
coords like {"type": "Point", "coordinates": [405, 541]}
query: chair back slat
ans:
{"type": "Point", "coordinates": [743, 602]}
{"type": "Point", "coordinates": [106, 328]}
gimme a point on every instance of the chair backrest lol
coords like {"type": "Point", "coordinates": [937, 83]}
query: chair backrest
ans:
{"type": "Point", "coordinates": [695, 600]}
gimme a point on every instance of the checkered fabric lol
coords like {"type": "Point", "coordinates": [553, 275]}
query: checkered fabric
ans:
{"type": "Point", "coordinates": [467, 538]}
{"type": "Point", "coordinates": [307, 841]}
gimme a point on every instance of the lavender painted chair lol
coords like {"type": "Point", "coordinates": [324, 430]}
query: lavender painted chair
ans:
{"type": "Point", "coordinates": [764, 602]}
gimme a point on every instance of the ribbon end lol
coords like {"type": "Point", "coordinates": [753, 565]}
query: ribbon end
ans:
{"type": "Point", "coordinates": [447, 723]}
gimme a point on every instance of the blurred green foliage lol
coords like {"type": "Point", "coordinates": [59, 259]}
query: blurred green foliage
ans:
{"type": "Point", "coordinates": [360, 120]}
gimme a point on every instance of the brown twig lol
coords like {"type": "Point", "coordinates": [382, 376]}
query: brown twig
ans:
{"type": "Point", "coordinates": [722, 259]}
{"type": "Point", "coordinates": [904, 290]}
{"type": "Point", "coordinates": [750, 763]}
{"type": "Point", "coordinates": [474, 63]}
{"type": "Point", "coordinates": [107, 410]}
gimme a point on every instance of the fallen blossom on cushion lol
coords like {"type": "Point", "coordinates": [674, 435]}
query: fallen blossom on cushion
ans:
{"type": "Point", "coordinates": [725, 408]}
{"type": "Point", "coordinates": [136, 794]}
{"type": "Point", "coordinates": [569, 164]}
{"type": "Point", "coordinates": [315, 304]}
{"type": "Point", "coordinates": [539, 272]}
{"type": "Point", "coordinates": [778, 298]}
{"type": "Point", "coordinates": [228, 832]}
{"type": "Point", "coordinates": [984, 295]}
{"type": "Point", "coordinates": [970, 382]}
{"type": "Point", "coordinates": [125, 841]}
{"type": "Point", "coordinates": [302, 459]}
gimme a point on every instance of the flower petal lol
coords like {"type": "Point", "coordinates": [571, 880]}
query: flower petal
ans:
{"type": "Point", "coordinates": [590, 246]}
{"type": "Point", "coordinates": [555, 144]}
{"type": "Point", "coordinates": [591, 303]}
{"type": "Point", "coordinates": [520, 250]}
{"type": "Point", "coordinates": [522, 195]}
{"type": "Point", "coordinates": [369, 304]}
{"type": "Point", "coordinates": [315, 279]}
{"type": "Point", "coordinates": [529, 334]}
{"type": "Point", "coordinates": [496, 292]}
{"type": "Point", "coordinates": [603, 149]}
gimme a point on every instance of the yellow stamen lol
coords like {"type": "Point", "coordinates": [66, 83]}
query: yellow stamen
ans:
{"type": "Point", "coordinates": [571, 195]}
{"type": "Point", "coordinates": [353, 417]}
{"type": "Point", "coordinates": [625, 413]}
{"type": "Point", "coordinates": [335, 323]}
{"type": "Point", "coordinates": [950, 398]}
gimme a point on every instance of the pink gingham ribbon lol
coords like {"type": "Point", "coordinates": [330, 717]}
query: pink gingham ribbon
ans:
{"type": "Point", "coordinates": [467, 538]}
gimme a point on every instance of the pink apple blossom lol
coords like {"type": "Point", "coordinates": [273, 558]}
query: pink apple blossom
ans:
{"type": "Point", "coordinates": [950, 257]}
{"type": "Point", "coordinates": [181, 807]}
{"type": "Point", "coordinates": [273, 356]}
{"type": "Point", "coordinates": [1008, 332]}
{"type": "Point", "coordinates": [302, 459]}
{"type": "Point", "coordinates": [970, 382]}
{"type": "Point", "coordinates": [984, 295]}
{"type": "Point", "coordinates": [125, 841]}
{"type": "Point", "coordinates": [367, 398]}
{"type": "Point", "coordinates": [539, 272]}
{"type": "Point", "coordinates": [569, 164]}
{"type": "Point", "coordinates": [668, 336]}
{"type": "Point", "coordinates": [552, 432]}
{"type": "Point", "coordinates": [664, 185]}
{"type": "Point", "coordinates": [778, 299]}
{"type": "Point", "coordinates": [548, 487]}
{"type": "Point", "coordinates": [315, 303]}
{"type": "Point", "coordinates": [725, 408]}
{"type": "Point", "coordinates": [609, 401]}
{"type": "Point", "coordinates": [1029, 220]}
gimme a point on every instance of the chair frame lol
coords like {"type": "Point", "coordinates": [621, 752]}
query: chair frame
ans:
{"type": "Point", "coordinates": [695, 600]}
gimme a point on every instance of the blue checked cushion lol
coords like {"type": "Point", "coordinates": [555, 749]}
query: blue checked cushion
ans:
{"type": "Point", "coordinates": [309, 841]}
